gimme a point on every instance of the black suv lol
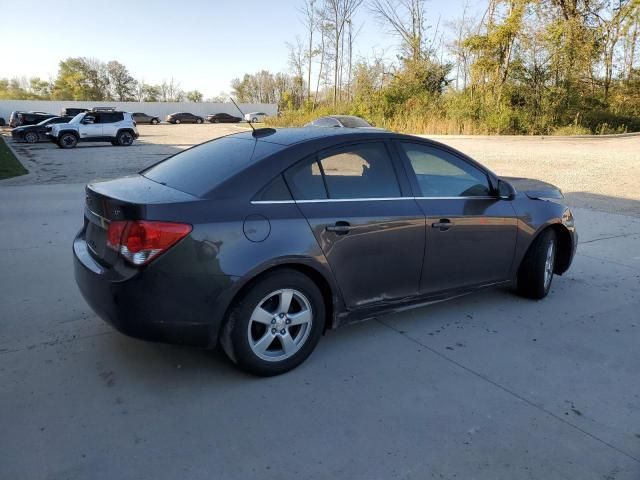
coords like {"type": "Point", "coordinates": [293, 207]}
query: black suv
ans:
{"type": "Point", "coordinates": [28, 118]}
{"type": "Point", "coordinates": [72, 112]}
{"type": "Point", "coordinates": [184, 117]}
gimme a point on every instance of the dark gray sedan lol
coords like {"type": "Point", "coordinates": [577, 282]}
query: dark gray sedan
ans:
{"type": "Point", "coordinates": [140, 117]}
{"type": "Point", "coordinates": [261, 241]}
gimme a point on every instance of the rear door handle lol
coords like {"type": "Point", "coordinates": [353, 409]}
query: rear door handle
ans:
{"type": "Point", "coordinates": [444, 224]}
{"type": "Point", "coordinates": [341, 228]}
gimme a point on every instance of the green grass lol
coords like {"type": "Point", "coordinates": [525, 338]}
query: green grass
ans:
{"type": "Point", "coordinates": [9, 165]}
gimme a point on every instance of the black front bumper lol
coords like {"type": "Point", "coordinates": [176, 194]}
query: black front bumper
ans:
{"type": "Point", "coordinates": [150, 305]}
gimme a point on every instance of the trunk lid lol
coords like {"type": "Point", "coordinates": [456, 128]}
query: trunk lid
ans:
{"type": "Point", "coordinates": [127, 198]}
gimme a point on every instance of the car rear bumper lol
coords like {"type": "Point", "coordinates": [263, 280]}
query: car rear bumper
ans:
{"type": "Point", "coordinates": [150, 305]}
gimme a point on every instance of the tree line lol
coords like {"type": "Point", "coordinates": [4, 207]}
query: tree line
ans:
{"type": "Point", "coordinates": [82, 78]}
{"type": "Point", "coordinates": [521, 66]}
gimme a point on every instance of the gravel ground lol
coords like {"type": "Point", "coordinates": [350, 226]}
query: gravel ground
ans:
{"type": "Point", "coordinates": [600, 173]}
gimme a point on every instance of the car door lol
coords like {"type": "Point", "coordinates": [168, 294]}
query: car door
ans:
{"type": "Point", "coordinates": [368, 226]}
{"type": "Point", "coordinates": [470, 231]}
{"type": "Point", "coordinates": [91, 125]}
{"type": "Point", "coordinates": [110, 123]}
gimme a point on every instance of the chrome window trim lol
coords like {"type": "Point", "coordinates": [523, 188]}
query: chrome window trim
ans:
{"type": "Point", "coordinates": [372, 199]}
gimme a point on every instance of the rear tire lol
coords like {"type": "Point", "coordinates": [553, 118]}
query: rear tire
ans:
{"type": "Point", "coordinates": [263, 335]}
{"type": "Point", "coordinates": [536, 271]}
{"type": "Point", "coordinates": [124, 138]}
{"type": "Point", "coordinates": [67, 140]}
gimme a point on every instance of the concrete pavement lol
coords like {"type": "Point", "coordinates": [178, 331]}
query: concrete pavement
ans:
{"type": "Point", "coordinates": [489, 386]}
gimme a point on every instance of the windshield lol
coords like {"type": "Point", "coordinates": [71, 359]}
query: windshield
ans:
{"type": "Point", "coordinates": [44, 122]}
{"type": "Point", "coordinates": [77, 118]}
{"type": "Point", "coordinates": [353, 122]}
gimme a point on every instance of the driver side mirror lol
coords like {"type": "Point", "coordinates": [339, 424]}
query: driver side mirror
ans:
{"type": "Point", "coordinates": [88, 120]}
{"type": "Point", "coordinates": [505, 190]}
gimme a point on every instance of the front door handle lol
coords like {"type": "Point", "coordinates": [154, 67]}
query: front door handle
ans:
{"type": "Point", "coordinates": [444, 224]}
{"type": "Point", "coordinates": [340, 228]}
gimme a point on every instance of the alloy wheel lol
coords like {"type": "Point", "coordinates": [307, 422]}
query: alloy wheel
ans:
{"type": "Point", "coordinates": [280, 325]}
{"type": "Point", "coordinates": [549, 264]}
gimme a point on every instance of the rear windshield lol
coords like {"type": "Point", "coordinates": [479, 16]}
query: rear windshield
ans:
{"type": "Point", "coordinates": [353, 122]}
{"type": "Point", "coordinates": [200, 169]}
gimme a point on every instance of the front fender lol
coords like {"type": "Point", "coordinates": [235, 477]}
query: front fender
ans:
{"type": "Point", "coordinates": [536, 215]}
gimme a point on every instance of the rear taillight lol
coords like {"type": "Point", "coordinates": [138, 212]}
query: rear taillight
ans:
{"type": "Point", "coordinates": [141, 241]}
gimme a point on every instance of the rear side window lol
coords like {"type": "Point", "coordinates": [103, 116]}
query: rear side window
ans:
{"type": "Point", "coordinates": [274, 191]}
{"type": "Point", "coordinates": [305, 181]}
{"type": "Point", "coordinates": [200, 169]}
{"type": "Point", "coordinates": [360, 171]}
{"type": "Point", "coordinates": [111, 117]}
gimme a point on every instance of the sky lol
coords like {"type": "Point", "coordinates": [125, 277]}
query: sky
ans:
{"type": "Point", "coordinates": [201, 44]}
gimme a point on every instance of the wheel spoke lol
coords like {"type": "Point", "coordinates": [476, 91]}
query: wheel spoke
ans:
{"type": "Point", "coordinates": [285, 301]}
{"type": "Point", "coordinates": [300, 318]}
{"type": "Point", "coordinates": [260, 315]}
{"type": "Point", "coordinates": [288, 345]}
{"type": "Point", "coordinates": [261, 345]}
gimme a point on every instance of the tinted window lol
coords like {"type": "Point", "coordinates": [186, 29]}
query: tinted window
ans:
{"type": "Point", "coordinates": [200, 169]}
{"type": "Point", "coordinates": [305, 181]}
{"type": "Point", "coordinates": [353, 122]}
{"type": "Point", "coordinates": [110, 117]}
{"type": "Point", "coordinates": [60, 120]}
{"type": "Point", "coordinates": [275, 190]}
{"type": "Point", "coordinates": [442, 174]}
{"type": "Point", "coordinates": [326, 122]}
{"type": "Point", "coordinates": [360, 171]}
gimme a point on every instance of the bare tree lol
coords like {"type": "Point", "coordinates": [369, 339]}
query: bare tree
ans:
{"type": "Point", "coordinates": [404, 19]}
{"type": "Point", "coordinates": [322, 49]}
{"type": "Point", "coordinates": [336, 14]}
{"type": "Point", "coordinates": [310, 20]}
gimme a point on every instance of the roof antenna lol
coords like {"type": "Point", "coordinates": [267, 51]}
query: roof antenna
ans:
{"type": "Point", "coordinates": [242, 113]}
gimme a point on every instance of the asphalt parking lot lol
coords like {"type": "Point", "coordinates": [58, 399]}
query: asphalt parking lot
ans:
{"type": "Point", "coordinates": [488, 386]}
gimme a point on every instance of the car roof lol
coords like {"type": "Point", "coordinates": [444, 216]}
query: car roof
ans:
{"type": "Point", "coordinates": [291, 136]}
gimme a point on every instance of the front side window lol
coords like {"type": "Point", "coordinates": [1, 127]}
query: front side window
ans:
{"type": "Point", "coordinates": [442, 174]}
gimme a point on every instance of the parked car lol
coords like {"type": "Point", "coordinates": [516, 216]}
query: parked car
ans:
{"type": "Point", "coordinates": [255, 117]}
{"type": "Point", "coordinates": [140, 117]}
{"type": "Point", "coordinates": [222, 118]}
{"type": "Point", "coordinates": [340, 121]}
{"type": "Point", "coordinates": [28, 118]}
{"type": "Point", "coordinates": [38, 132]}
{"type": "Point", "coordinates": [184, 117]}
{"type": "Point", "coordinates": [72, 112]}
{"type": "Point", "coordinates": [95, 126]}
{"type": "Point", "coordinates": [2, 122]}
{"type": "Point", "coordinates": [262, 240]}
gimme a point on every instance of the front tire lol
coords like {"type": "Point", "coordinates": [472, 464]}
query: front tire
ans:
{"type": "Point", "coordinates": [177, 122]}
{"type": "Point", "coordinates": [275, 325]}
{"type": "Point", "coordinates": [67, 140]}
{"type": "Point", "coordinates": [199, 121]}
{"type": "Point", "coordinates": [154, 121]}
{"type": "Point", "coordinates": [536, 271]}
